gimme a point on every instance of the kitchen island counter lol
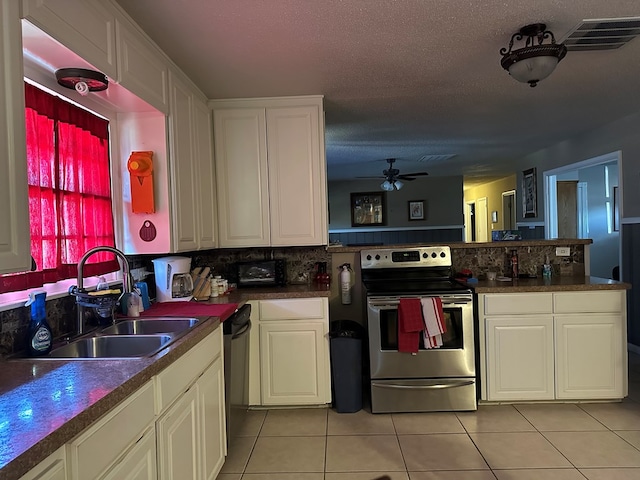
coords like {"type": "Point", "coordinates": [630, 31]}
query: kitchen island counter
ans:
{"type": "Point", "coordinates": [46, 403]}
{"type": "Point", "coordinates": [554, 284]}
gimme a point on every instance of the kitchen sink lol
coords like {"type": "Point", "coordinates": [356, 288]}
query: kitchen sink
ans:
{"type": "Point", "coordinates": [150, 326]}
{"type": "Point", "coordinates": [112, 346]}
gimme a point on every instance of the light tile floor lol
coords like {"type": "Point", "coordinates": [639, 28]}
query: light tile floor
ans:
{"type": "Point", "coordinates": [595, 441]}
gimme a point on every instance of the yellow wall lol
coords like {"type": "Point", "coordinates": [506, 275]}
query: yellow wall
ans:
{"type": "Point", "coordinates": [493, 191]}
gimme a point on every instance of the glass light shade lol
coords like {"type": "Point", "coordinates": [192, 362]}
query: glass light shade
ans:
{"type": "Point", "coordinates": [533, 69]}
{"type": "Point", "coordinates": [398, 184]}
{"type": "Point", "coordinates": [386, 185]}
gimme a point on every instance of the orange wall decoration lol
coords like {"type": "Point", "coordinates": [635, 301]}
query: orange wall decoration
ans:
{"type": "Point", "coordinates": [140, 166]}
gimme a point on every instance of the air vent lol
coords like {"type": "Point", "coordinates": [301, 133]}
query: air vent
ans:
{"type": "Point", "coordinates": [602, 34]}
{"type": "Point", "coordinates": [435, 158]}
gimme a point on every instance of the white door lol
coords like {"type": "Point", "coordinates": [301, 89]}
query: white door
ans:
{"type": "Point", "coordinates": [520, 358]}
{"type": "Point", "coordinates": [482, 220]}
{"type": "Point", "coordinates": [178, 439]}
{"type": "Point", "coordinates": [212, 420]}
{"type": "Point", "coordinates": [296, 176]}
{"type": "Point", "coordinates": [589, 356]}
{"type": "Point", "coordinates": [293, 363]}
{"type": "Point", "coordinates": [241, 175]}
{"type": "Point", "coordinates": [184, 200]}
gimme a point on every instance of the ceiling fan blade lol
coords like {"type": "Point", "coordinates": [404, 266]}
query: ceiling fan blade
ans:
{"type": "Point", "coordinates": [376, 177]}
{"type": "Point", "coordinates": [408, 175]}
{"type": "Point", "coordinates": [407, 179]}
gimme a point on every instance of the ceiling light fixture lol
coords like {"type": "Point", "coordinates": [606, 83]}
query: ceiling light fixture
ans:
{"type": "Point", "coordinates": [536, 60]}
{"type": "Point", "coordinates": [390, 185]}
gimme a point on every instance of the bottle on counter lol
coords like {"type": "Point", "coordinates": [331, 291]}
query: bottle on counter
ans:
{"type": "Point", "coordinates": [514, 264]}
{"type": "Point", "coordinates": [546, 268]}
{"type": "Point", "coordinates": [40, 337]}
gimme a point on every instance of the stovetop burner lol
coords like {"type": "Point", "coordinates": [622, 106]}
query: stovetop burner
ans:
{"type": "Point", "coordinates": [416, 270]}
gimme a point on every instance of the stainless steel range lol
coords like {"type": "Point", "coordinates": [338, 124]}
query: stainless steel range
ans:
{"type": "Point", "coordinates": [436, 379]}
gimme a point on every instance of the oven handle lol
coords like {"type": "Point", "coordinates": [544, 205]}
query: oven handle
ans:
{"type": "Point", "coordinates": [389, 303]}
{"type": "Point", "coordinates": [461, 383]}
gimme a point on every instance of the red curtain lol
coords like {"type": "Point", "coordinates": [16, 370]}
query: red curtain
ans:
{"type": "Point", "coordinates": [69, 191]}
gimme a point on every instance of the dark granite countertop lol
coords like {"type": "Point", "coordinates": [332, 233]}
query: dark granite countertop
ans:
{"type": "Point", "coordinates": [46, 403]}
{"type": "Point", "coordinates": [554, 284]}
{"type": "Point", "coordinates": [243, 295]}
{"type": "Point", "coordinates": [511, 244]}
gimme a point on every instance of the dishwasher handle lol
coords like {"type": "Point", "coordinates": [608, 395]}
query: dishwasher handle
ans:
{"type": "Point", "coordinates": [246, 328]}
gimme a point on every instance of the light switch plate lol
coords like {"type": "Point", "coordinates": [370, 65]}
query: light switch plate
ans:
{"type": "Point", "coordinates": [563, 251]}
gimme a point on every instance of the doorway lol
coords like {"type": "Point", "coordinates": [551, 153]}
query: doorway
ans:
{"type": "Point", "coordinates": [482, 220]}
{"type": "Point", "coordinates": [580, 204]}
{"type": "Point", "coordinates": [470, 222]}
{"type": "Point", "coordinates": [509, 210]}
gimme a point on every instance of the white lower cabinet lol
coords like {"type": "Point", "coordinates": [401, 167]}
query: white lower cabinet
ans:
{"type": "Point", "coordinates": [520, 358]}
{"type": "Point", "coordinates": [573, 348]}
{"type": "Point", "coordinates": [54, 467]}
{"type": "Point", "coordinates": [139, 463]}
{"type": "Point", "coordinates": [212, 420]}
{"type": "Point", "coordinates": [178, 433]}
{"type": "Point", "coordinates": [289, 352]}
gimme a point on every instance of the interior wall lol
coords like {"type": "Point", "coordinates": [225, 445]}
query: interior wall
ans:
{"type": "Point", "coordinates": [442, 198]}
{"type": "Point", "coordinates": [493, 191]}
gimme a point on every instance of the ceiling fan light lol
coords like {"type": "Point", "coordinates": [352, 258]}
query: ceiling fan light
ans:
{"type": "Point", "coordinates": [536, 60]}
{"type": "Point", "coordinates": [386, 185]}
{"type": "Point", "coordinates": [532, 70]}
{"type": "Point", "coordinates": [398, 184]}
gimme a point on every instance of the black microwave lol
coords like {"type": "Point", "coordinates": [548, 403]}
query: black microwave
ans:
{"type": "Point", "coordinates": [261, 273]}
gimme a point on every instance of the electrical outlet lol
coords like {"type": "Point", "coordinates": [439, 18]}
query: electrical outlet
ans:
{"type": "Point", "coordinates": [563, 251]}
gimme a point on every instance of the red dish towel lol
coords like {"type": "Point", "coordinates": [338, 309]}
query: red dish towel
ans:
{"type": "Point", "coordinates": [410, 324]}
{"type": "Point", "coordinates": [191, 309]}
{"type": "Point", "coordinates": [434, 325]}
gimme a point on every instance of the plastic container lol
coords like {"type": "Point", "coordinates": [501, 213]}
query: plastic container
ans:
{"type": "Point", "coordinates": [346, 364]}
{"type": "Point", "coordinates": [40, 338]}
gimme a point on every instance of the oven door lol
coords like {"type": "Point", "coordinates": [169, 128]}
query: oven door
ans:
{"type": "Point", "coordinates": [455, 358]}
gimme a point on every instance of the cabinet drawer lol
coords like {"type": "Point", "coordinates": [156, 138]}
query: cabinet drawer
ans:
{"type": "Point", "coordinates": [294, 308]}
{"type": "Point", "coordinates": [99, 446]}
{"type": "Point", "coordinates": [176, 378]}
{"type": "Point", "coordinates": [518, 303]}
{"type": "Point", "coordinates": [586, 302]}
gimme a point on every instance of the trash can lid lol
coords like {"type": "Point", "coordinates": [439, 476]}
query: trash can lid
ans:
{"type": "Point", "coordinates": [346, 329]}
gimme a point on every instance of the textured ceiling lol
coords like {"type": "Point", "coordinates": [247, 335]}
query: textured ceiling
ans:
{"type": "Point", "coordinates": [403, 78]}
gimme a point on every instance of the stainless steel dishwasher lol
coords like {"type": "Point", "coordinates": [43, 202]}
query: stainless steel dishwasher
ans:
{"type": "Point", "coordinates": [236, 368]}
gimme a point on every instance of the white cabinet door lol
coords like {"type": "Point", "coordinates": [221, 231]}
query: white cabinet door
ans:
{"type": "Point", "coordinates": [298, 202]}
{"type": "Point", "coordinates": [142, 68]}
{"type": "Point", "coordinates": [520, 358]}
{"type": "Point", "coordinates": [87, 28]}
{"type": "Point", "coordinates": [242, 179]}
{"type": "Point", "coordinates": [184, 200]}
{"type": "Point", "coordinates": [51, 468]}
{"type": "Point", "coordinates": [212, 420]}
{"type": "Point", "coordinates": [205, 175]}
{"type": "Point", "coordinates": [294, 362]}
{"type": "Point", "coordinates": [177, 439]}
{"type": "Point", "coordinates": [588, 356]}
{"type": "Point", "coordinates": [139, 463]}
{"type": "Point", "coordinates": [14, 214]}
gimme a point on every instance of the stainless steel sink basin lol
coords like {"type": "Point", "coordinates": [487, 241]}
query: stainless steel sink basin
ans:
{"type": "Point", "coordinates": [112, 346]}
{"type": "Point", "coordinates": [150, 326]}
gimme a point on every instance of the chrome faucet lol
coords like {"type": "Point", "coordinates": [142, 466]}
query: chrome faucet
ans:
{"type": "Point", "coordinates": [126, 287]}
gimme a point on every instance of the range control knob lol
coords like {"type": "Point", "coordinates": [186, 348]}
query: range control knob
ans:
{"type": "Point", "coordinates": [377, 257]}
{"type": "Point", "coordinates": [368, 257]}
{"type": "Point", "coordinates": [425, 255]}
{"type": "Point", "coordinates": [433, 255]}
{"type": "Point", "coordinates": [442, 254]}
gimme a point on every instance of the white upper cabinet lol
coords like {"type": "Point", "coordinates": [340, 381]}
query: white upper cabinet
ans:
{"type": "Point", "coordinates": [142, 68]}
{"type": "Point", "coordinates": [14, 214]}
{"type": "Point", "coordinates": [87, 28]}
{"type": "Point", "coordinates": [271, 172]}
{"type": "Point", "coordinates": [205, 175]}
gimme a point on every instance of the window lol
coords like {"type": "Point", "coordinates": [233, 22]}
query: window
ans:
{"type": "Point", "coordinates": [69, 191]}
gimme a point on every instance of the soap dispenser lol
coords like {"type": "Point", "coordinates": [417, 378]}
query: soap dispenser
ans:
{"type": "Point", "coordinates": [40, 338]}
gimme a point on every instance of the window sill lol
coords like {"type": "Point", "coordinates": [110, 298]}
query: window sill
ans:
{"type": "Point", "coordinates": [9, 301]}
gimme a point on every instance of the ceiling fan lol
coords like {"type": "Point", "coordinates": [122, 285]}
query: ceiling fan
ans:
{"type": "Point", "coordinates": [393, 178]}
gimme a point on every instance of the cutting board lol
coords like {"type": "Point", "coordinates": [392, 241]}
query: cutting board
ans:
{"type": "Point", "coordinates": [191, 309]}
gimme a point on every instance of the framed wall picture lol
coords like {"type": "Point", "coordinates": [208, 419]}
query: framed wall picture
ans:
{"type": "Point", "coordinates": [367, 209]}
{"type": "Point", "coordinates": [529, 193]}
{"type": "Point", "coordinates": [416, 209]}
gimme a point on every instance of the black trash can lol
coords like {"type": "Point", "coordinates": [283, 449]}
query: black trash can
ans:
{"type": "Point", "coordinates": [346, 364]}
